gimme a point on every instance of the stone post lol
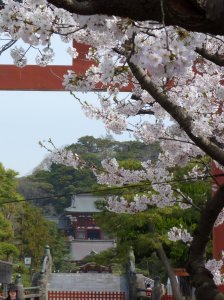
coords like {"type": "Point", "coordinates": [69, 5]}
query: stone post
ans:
{"type": "Point", "coordinates": [48, 266]}
{"type": "Point", "coordinates": [4, 286]}
{"type": "Point", "coordinates": [157, 291]}
{"type": "Point", "coordinates": [45, 273]}
{"type": "Point", "coordinates": [131, 273]}
{"type": "Point", "coordinates": [19, 286]}
{"type": "Point", "coordinates": [43, 286]}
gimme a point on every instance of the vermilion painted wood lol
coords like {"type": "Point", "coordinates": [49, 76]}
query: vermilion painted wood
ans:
{"type": "Point", "coordinates": [218, 232]}
{"type": "Point", "coordinates": [221, 288]}
{"type": "Point", "coordinates": [37, 78]}
{"type": "Point", "coordinates": [49, 78]}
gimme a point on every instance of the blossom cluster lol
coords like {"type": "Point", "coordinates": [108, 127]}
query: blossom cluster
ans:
{"type": "Point", "coordinates": [179, 234]}
{"type": "Point", "coordinates": [65, 157]}
{"type": "Point", "coordinates": [215, 266]}
{"type": "Point", "coordinates": [196, 173]}
{"type": "Point", "coordinates": [220, 219]}
{"type": "Point", "coordinates": [161, 193]}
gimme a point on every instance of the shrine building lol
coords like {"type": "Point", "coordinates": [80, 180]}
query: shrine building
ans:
{"type": "Point", "coordinates": [84, 235]}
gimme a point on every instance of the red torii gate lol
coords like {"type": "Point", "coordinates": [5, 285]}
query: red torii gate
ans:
{"type": "Point", "coordinates": [36, 78]}
{"type": "Point", "coordinates": [49, 78]}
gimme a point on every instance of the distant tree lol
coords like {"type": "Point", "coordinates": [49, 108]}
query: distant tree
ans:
{"type": "Point", "coordinates": [9, 198]}
{"type": "Point", "coordinates": [33, 232]}
{"type": "Point", "coordinates": [65, 181]}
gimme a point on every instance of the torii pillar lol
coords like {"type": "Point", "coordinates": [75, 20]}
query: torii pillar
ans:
{"type": "Point", "coordinates": [218, 232]}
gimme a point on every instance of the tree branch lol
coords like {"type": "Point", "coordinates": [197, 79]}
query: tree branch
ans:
{"type": "Point", "coordinates": [87, 7]}
{"type": "Point", "coordinates": [7, 46]}
{"type": "Point", "coordinates": [145, 112]}
{"type": "Point", "coordinates": [178, 113]}
{"type": "Point", "coordinates": [215, 58]}
{"type": "Point", "coordinates": [175, 287]}
{"type": "Point", "coordinates": [191, 15]}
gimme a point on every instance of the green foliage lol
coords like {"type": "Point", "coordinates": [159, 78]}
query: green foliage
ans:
{"type": "Point", "coordinates": [107, 147]}
{"type": "Point", "coordinates": [151, 266]}
{"type": "Point", "coordinates": [130, 164]}
{"type": "Point", "coordinates": [34, 232]}
{"type": "Point", "coordinates": [6, 230]}
{"type": "Point", "coordinates": [62, 181]}
{"type": "Point", "coordinates": [66, 181]}
{"type": "Point", "coordinates": [8, 185]}
{"type": "Point", "coordinates": [8, 193]}
{"type": "Point", "coordinates": [7, 251]}
{"type": "Point", "coordinates": [60, 251]}
{"type": "Point", "coordinates": [24, 231]}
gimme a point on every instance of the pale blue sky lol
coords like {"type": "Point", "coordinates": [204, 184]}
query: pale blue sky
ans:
{"type": "Point", "coordinates": [29, 117]}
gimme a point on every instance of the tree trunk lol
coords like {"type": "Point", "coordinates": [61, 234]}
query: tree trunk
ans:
{"type": "Point", "coordinates": [194, 15]}
{"type": "Point", "coordinates": [175, 287]}
{"type": "Point", "coordinates": [202, 279]}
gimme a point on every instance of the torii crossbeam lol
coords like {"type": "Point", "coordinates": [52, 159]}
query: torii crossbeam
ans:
{"type": "Point", "coordinates": [36, 78]}
{"type": "Point", "coordinates": [49, 78]}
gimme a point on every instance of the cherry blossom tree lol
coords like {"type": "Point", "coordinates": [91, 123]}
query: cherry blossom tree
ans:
{"type": "Point", "coordinates": [169, 54]}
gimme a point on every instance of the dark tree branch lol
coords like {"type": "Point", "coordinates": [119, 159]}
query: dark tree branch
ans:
{"type": "Point", "coordinates": [187, 200]}
{"type": "Point", "coordinates": [178, 113]}
{"type": "Point", "coordinates": [215, 58]}
{"type": "Point", "coordinates": [167, 266]}
{"type": "Point", "coordinates": [170, 272]}
{"type": "Point", "coordinates": [202, 16]}
{"type": "Point", "coordinates": [7, 46]}
{"type": "Point", "coordinates": [87, 7]}
{"type": "Point", "coordinates": [202, 279]}
{"type": "Point", "coordinates": [145, 112]}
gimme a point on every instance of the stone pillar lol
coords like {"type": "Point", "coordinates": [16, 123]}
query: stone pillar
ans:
{"type": "Point", "coordinates": [47, 261]}
{"type": "Point", "coordinates": [157, 291]}
{"type": "Point", "coordinates": [19, 286]}
{"type": "Point", "coordinates": [45, 273]}
{"type": "Point", "coordinates": [132, 286]}
{"type": "Point", "coordinates": [131, 273]}
{"type": "Point", "coordinates": [4, 287]}
{"type": "Point", "coordinates": [43, 287]}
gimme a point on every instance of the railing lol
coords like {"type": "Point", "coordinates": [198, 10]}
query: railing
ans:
{"type": "Point", "coordinates": [60, 295]}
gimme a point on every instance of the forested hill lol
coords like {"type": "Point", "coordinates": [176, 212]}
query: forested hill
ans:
{"type": "Point", "coordinates": [51, 179]}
